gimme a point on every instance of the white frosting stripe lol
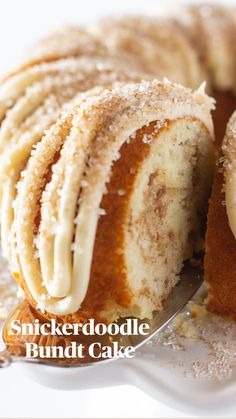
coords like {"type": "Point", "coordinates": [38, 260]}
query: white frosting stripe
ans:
{"type": "Point", "coordinates": [19, 146]}
{"type": "Point", "coordinates": [26, 208]}
{"type": "Point", "coordinates": [60, 207]}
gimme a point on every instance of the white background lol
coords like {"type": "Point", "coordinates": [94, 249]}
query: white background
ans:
{"type": "Point", "coordinates": [21, 23]}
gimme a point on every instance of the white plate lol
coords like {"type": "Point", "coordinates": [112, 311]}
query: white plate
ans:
{"type": "Point", "coordinates": [167, 368]}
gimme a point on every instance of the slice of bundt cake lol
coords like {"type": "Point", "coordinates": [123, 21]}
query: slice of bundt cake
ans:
{"type": "Point", "coordinates": [111, 201]}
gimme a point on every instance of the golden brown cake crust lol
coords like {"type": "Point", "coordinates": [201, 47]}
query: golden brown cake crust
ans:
{"type": "Point", "coordinates": [220, 267]}
{"type": "Point", "coordinates": [220, 256]}
{"type": "Point", "coordinates": [225, 106]}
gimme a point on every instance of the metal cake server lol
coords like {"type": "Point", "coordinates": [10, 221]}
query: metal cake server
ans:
{"type": "Point", "coordinates": [191, 280]}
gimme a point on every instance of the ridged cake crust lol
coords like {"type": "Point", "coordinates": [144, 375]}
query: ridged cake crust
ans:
{"type": "Point", "coordinates": [200, 48]}
{"type": "Point", "coordinates": [32, 100]}
{"type": "Point", "coordinates": [211, 29]}
{"type": "Point", "coordinates": [144, 44]}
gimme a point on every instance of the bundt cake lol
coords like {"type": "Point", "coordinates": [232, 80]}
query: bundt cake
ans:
{"type": "Point", "coordinates": [105, 172]}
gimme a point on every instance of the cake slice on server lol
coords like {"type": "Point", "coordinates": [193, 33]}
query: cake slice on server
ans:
{"type": "Point", "coordinates": [112, 202]}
